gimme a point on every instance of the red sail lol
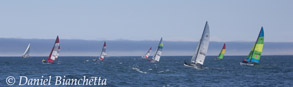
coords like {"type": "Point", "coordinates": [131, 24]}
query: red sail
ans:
{"type": "Point", "coordinates": [103, 53]}
{"type": "Point", "coordinates": [54, 52]}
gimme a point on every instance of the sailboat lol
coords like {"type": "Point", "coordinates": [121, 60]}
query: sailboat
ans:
{"type": "Point", "coordinates": [103, 53]}
{"type": "Point", "coordinates": [255, 53]}
{"type": "Point", "coordinates": [54, 52]}
{"type": "Point", "coordinates": [157, 56]}
{"type": "Point", "coordinates": [198, 58]}
{"type": "Point", "coordinates": [221, 55]}
{"type": "Point", "coordinates": [27, 51]}
{"type": "Point", "coordinates": [146, 56]}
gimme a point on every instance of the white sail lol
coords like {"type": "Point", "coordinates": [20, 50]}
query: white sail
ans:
{"type": "Point", "coordinates": [147, 54]}
{"type": "Point", "coordinates": [27, 51]}
{"type": "Point", "coordinates": [158, 53]}
{"type": "Point", "coordinates": [103, 53]}
{"type": "Point", "coordinates": [202, 47]}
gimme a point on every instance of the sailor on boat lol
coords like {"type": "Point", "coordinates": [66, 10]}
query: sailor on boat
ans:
{"type": "Point", "coordinates": [244, 61]}
{"type": "Point", "coordinates": [44, 61]}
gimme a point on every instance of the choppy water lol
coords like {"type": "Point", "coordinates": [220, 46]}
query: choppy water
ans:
{"type": "Point", "coordinates": [170, 71]}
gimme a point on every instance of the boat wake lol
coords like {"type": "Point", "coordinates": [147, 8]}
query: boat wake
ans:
{"type": "Point", "coordinates": [138, 70]}
{"type": "Point", "coordinates": [49, 63]}
{"type": "Point", "coordinates": [164, 71]}
{"type": "Point", "coordinates": [197, 67]}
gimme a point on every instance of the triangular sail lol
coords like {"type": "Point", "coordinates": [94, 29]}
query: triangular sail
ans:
{"type": "Point", "coordinates": [27, 51]}
{"type": "Point", "coordinates": [103, 53]}
{"type": "Point", "coordinates": [54, 52]}
{"type": "Point", "coordinates": [221, 55]}
{"type": "Point", "coordinates": [148, 53]}
{"type": "Point", "coordinates": [158, 53]}
{"type": "Point", "coordinates": [202, 47]}
{"type": "Point", "coordinates": [255, 53]}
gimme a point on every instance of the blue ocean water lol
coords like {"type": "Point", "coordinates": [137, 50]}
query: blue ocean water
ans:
{"type": "Point", "coordinates": [169, 72]}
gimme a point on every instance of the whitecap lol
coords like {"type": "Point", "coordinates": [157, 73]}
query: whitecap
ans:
{"type": "Point", "coordinates": [138, 70]}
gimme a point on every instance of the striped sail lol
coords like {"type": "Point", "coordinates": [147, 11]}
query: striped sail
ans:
{"type": "Point", "coordinates": [255, 53]}
{"type": "Point", "coordinates": [158, 53]}
{"type": "Point", "coordinates": [27, 51]}
{"type": "Point", "coordinates": [221, 55]}
{"type": "Point", "coordinates": [54, 52]}
{"type": "Point", "coordinates": [103, 53]}
{"type": "Point", "coordinates": [202, 47]}
{"type": "Point", "coordinates": [148, 53]}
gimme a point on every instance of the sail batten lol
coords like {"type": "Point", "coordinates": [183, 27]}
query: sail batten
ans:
{"type": "Point", "coordinates": [202, 47]}
{"type": "Point", "coordinates": [27, 51]}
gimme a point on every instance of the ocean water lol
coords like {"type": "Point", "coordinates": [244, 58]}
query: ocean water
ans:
{"type": "Point", "coordinates": [169, 72]}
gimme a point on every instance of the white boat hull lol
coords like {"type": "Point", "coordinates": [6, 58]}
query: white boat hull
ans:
{"type": "Point", "coordinates": [196, 66]}
{"type": "Point", "coordinates": [94, 60]}
{"type": "Point", "coordinates": [246, 64]}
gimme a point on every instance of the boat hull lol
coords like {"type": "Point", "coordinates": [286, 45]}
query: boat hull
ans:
{"type": "Point", "coordinates": [46, 63]}
{"type": "Point", "coordinates": [94, 60]}
{"type": "Point", "coordinates": [196, 66]}
{"type": "Point", "coordinates": [246, 64]}
{"type": "Point", "coordinates": [153, 61]}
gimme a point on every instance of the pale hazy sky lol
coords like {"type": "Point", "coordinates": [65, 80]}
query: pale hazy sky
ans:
{"type": "Point", "coordinates": [175, 20]}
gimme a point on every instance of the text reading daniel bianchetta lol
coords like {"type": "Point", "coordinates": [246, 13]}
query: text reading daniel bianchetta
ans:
{"type": "Point", "coordinates": [56, 80]}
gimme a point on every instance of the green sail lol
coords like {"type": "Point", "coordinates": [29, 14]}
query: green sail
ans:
{"type": "Point", "coordinates": [221, 55]}
{"type": "Point", "coordinates": [255, 53]}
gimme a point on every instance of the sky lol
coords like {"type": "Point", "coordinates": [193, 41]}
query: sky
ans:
{"type": "Point", "coordinates": [138, 20]}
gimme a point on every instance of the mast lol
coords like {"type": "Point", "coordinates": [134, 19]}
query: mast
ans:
{"type": "Point", "coordinates": [26, 52]}
{"type": "Point", "coordinates": [158, 53]}
{"type": "Point", "coordinates": [254, 46]}
{"type": "Point", "coordinates": [255, 53]}
{"type": "Point", "coordinates": [103, 52]}
{"type": "Point", "coordinates": [148, 53]}
{"type": "Point", "coordinates": [54, 52]}
{"type": "Point", "coordinates": [205, 35]}
{"type": "Point", "coordinates": [221, 54]}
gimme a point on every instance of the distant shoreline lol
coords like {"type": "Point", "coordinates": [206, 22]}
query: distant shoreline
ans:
{"type": "Point", "coordinates": [139, 56]}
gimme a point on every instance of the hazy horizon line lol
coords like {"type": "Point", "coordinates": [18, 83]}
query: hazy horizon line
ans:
{"type": "Point", "coordinates": [135, 40]}
{"type": "Point", "coordinates": [161, 56]}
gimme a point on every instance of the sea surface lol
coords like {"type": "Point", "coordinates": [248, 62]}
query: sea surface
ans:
{"type": "Point", "coordinates": [134, 71]}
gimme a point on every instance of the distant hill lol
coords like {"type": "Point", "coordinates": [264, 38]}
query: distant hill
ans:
{"type": "Point", "coordinates": [42, 47]}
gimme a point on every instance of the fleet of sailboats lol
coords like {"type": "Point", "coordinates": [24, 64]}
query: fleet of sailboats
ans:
{"type": "Point", "coordinates": [198, 58]}
{"type": "Point", "coordinates": [54, 52]}
{"type": "Point", "coordinates": [157, 56]}
{"type": "Point", "coordinates": [196, 61]}
{"type": "Point", "coordinates": [255, 53]}
{"type": "Point", "coordinates": [27, 51]}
